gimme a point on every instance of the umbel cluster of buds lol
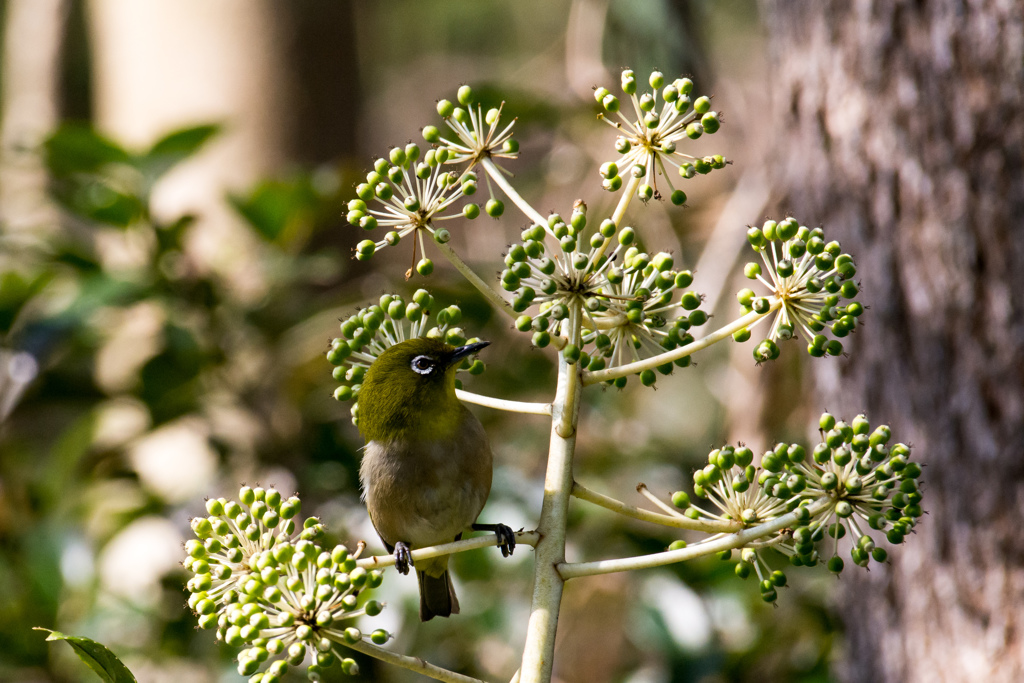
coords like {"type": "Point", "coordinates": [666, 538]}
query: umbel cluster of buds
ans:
{"type": "Point", "coordinates": [626, 297]}
{"type": "Point", "coordinates": [410, 195]}
{"type": "Point", "coordinates": [368, 332]}
{"type": "Point", "coordinates": [648, 143]}
{"type": "Point", "coordinates": [811, 284]}
{"type": "Point", "coordinates": [267, 586]}
{"type": "Point", "coordinates": [851, 484]}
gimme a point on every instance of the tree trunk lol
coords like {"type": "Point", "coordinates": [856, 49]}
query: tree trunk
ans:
{"type": "Point", "coordinates": [901, 131]}
{"type": "Point", "coordinates": [32, 42]}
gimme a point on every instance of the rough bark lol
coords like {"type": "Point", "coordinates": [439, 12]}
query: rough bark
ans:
{"type": "Point", "coordinates": [901, 130]}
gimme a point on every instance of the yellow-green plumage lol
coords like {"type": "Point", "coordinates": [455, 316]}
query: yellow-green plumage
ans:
{"type": "Point", "coordinates": [426, 470]}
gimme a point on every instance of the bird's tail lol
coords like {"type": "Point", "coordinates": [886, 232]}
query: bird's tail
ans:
{"type": "Point", "coordinates": [437, 596]}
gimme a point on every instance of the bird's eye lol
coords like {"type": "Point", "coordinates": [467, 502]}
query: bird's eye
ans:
{"type": "Point", "coordinates": [423, 365]}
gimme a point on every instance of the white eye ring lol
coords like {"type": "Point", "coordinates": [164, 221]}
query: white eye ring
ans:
{"type": "Point", "coordinates": [422, 365]}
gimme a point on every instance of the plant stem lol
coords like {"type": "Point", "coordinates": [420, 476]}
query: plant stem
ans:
{"type": "Point", "coordinates": [709, 526]}
{"type": "Point", "coordinates": [539, 650]}
{"type": "Point", "coordinates": [620, 210]}
{"type": "Point", "coordinates": [411, 663]}
{"type": "Point", "coordinates": [681, 352]}
{"type": "Point", "coordinates": [489, 292]}
{"type": "Point", "coordinates": [504, 404]}
{"type": "Point", "coordinates": [574, 570]}
{"type": "Point", "coordinates": [498, 177]}
{"type": "Point", "coordinates": [487, 541]}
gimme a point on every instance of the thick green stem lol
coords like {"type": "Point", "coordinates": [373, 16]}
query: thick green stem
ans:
{"type": "Point", "coordinates": [539, 651]}
{"type": "Point", "coordinates": [681, 352]}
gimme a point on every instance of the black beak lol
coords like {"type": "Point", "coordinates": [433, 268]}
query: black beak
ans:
{"type": "Point", "coordinates": [467, 350]}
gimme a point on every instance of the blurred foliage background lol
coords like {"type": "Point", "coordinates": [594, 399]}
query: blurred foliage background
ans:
{"type": "Point", "coordinates": [173, 262]}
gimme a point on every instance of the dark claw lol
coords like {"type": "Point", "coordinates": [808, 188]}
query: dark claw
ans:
{"type": "Point", "coordinates": [403, 558]}
{"type": "Point", "coordinates": [506, 537]}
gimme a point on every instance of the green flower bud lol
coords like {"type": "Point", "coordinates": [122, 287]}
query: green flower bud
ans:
{"type": "Point", "coordinates": [425, 267]}
{"type": "Point", "coordinates": [571, 353]}
{"type": "Point", "coordinates": [710, 122]}
{"type": "Point", "coordinates": [681, 499]}
{"type": "Point", "coordinates": [628, 82]}
{"type": "Point", "coordinates": [494, 208]}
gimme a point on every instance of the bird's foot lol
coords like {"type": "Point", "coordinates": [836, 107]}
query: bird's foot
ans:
{"type": "Point", "coordinates": [403, 557]}
{"type": "Point", "coordinates": [506, 537]}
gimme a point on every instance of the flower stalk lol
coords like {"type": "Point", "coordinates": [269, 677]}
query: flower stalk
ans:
{"type": "Point", "coordinates": [498, 176]}
{"type": "Point", "coordinates": [581, 492]}
{"type": "Point", "coordinates": [744, 322]}
{"type": "Point", "coordinates": [573, 570]}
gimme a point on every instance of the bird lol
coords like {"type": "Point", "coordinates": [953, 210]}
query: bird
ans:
{"type": "Point", "coordinates": [427, 465]}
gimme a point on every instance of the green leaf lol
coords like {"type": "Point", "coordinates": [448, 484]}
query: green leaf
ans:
{"type": "Point", "coordinates": [101, 202]}
{"type": "Point", "coordinates": [184, 142]}
{"type": "Point", "coordinates": [15, 291]}
{"type": "Point", "coordinates": [273, 206]}
{"type": "Point", "coordinates": [101, 660]}
{"type": "Point", "coordinates": [176, 147]}
{"type": "Point", "coordinates": [74, 148]}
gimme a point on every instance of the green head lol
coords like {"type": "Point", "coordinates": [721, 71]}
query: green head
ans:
{"type": "Point", "coordinates": [409, 391]}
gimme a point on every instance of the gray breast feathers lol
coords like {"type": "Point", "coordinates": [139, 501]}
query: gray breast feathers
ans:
{"type": "Point", "coordinates": [427, 492]}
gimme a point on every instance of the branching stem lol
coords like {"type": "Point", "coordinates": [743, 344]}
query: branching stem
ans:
{"type": "Point", "coordinates": [709, 526]}
{"type": "Point", "coordinates": [489, 292]}
{"type": "Point", "coordinates": [504, 404]}
{"type": "Point", "coordinates": [681, 352]}
{"type": "Point", "coordinates": [539, 649]}
{"type": "Point", "coordinates": [572, 570]}
{"type": "Point", "coordinates": [620, 210]}
{"type": "Point", "coordinates": [377, 561]}
{"type": "Point", "coordinates": [499, 178]}
{"type": "Point", "coordinates": [411, 663]}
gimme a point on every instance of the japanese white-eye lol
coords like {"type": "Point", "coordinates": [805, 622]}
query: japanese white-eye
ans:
{"type": "Point", "coordinates": [426, 470]}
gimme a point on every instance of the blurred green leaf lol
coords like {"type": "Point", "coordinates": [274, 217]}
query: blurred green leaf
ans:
{"type": "Point", "coordinates": [273, 205]}
{"type": "Point", "coordinates": [169, 378]}
{"type": "Point", "coordinates": [183, 142]}
{"type": "Point", "coordinates": [100, 290]}
{"type": "Point", "coordinates": [100, 202]}
{"type": "Point", "coordinates": [176, 147]}
{"type": "Point", "coordinates": [101, 660]}
{"type": "Point", "coordinates": [525, 106]}
{"type": "Point", "coordinates": [15, 291]}
{"type": "Point", "coordinates": [75, 148]}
